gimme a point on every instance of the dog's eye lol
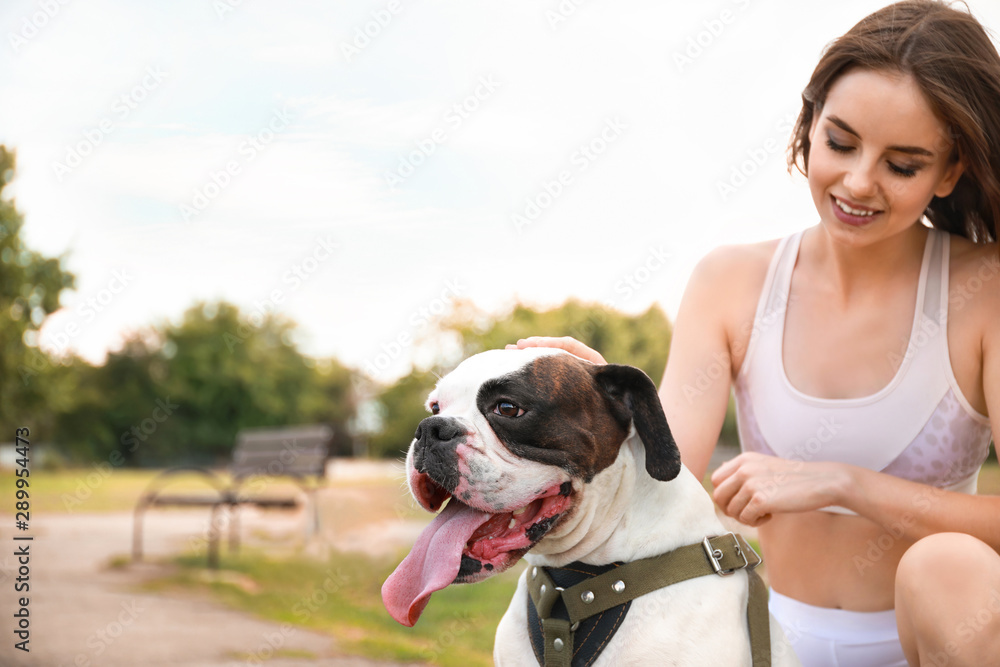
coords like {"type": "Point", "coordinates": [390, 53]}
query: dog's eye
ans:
{"type": "Point", "coordinates": [507, 409]}
{"type": "Point", "coordinates": [435, 408]}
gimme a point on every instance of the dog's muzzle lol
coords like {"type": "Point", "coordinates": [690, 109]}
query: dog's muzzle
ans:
{"type": "Point", "coordinates": [435, 451]}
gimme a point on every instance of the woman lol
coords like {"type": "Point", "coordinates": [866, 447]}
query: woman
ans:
{"type": "Point", "coordinates": [865, 355]}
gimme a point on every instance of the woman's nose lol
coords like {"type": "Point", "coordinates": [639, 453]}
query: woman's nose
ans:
{"type": "Point", "coordinates": [860, 181]}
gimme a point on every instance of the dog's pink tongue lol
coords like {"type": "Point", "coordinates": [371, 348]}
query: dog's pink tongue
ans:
{"type": "Point", "coordinates": [433, 563]}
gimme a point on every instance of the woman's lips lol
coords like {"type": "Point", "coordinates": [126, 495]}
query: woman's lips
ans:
{"type": "Point", "coordinates": [853, 214]}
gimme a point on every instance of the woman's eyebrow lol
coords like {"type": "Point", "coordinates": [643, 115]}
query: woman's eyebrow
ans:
{"type": "Point", "coordinates": [912, 150]}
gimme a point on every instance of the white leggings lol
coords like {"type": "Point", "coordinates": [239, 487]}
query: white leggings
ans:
{"type": "Point", "coordinates": [823, 637]}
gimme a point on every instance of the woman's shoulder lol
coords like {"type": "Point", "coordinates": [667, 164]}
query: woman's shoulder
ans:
{"type": "Point", "coordinates": [736, 262]}
{"type": "Point", "coordinates": [725, 288]}
{"type": "Point", "coordinates": [974, 276]}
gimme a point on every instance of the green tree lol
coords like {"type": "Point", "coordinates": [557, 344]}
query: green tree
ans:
{"type": "Point", "coordinates": [30, 285]}
{"type": "Point", "coordinates": [638, 340]}
{"type": "Point", "coordinates": [179, 393]}
{"type": "Point", "coordinates": [107, 400]}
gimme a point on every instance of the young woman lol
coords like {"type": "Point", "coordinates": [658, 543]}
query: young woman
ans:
{"type": "Point", "coordinates": [865, 355]}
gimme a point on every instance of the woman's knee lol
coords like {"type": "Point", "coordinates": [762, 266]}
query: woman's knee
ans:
{"type": "Point", "coordinates": [946, 560]}
{"type": "Point", "coordinates": [948, 600]}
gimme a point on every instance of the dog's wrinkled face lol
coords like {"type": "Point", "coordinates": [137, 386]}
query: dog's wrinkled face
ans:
{"type": "Point", "coordinates": [514, 435]}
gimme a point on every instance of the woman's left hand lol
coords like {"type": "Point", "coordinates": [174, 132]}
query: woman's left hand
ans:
{"type": "Point", "coordinates": [752, 487]}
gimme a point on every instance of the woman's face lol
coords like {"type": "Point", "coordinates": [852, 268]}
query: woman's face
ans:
{"type": "Point", "coordinates": [877, 157]}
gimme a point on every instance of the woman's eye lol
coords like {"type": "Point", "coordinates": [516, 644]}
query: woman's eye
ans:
{"type": "Point", "coordinates": [837, 148]}
{"type": "Point", "coordinates": [435, 408]}
{"type": "Point", "coordinates": [903, 171]}
{"type": "Point", "coordinates": [507, 409]}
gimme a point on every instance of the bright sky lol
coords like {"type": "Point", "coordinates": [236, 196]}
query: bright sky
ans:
{"type": "Point", "coordinates": [357, 166]}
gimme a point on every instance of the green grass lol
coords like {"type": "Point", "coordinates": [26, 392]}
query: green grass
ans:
{"type": "Point", "coordinates": [342, 597]}
{"type": "Point", "coordinates": [989, 479]}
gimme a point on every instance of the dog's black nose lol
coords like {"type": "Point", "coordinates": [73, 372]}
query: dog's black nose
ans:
{"type": "Point", "coordinates": [438, 430]}
{"type": "Point", "coordinates": [434, 451]}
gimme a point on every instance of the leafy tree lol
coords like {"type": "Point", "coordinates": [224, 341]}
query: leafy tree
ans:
{"type": "Point", "coordinates": [638, 340]}
{"type": "Point", "coordinates": [228, 372]}
{"type": "Point", "coordinates": [107, 401]}
{"type": "Point", "coordinates": [30, 285]}
{"type": "Point", "coordinates": [179, 393]}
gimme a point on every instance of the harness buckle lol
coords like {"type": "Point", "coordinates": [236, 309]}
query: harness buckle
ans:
{"type": "Point", "coordinates": [715, 556]}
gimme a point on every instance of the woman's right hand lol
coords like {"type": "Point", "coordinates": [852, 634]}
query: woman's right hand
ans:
{"type": "Point", "coordinates": [568, 343]}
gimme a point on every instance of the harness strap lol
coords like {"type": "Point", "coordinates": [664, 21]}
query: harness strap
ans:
{"type": "Point", "coordinates": [592, 634]}
{"type": "Point", "coordinates": [722, 555]}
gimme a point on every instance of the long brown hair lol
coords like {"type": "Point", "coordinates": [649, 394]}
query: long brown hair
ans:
{"type": "Point", "coordinates": [950, 56]}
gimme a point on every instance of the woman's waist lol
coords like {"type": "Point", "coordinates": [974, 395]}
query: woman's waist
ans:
{"type": "Point", "coordinates": [833, 561]}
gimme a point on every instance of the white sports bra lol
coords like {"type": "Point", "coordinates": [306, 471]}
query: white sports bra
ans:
{"type": "Point", "coordinates": [919, 427]}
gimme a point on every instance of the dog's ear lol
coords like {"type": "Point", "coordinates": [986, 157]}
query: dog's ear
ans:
{"type": "Point", "coordinates": [631, 391]}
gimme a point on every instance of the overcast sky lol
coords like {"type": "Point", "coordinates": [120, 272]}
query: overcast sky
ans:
{"type": "Point", "coordinates": [358, 166]}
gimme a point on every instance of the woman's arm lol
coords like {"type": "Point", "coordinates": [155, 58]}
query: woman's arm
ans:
{"type": "Point", "coordinates": [698, 377]}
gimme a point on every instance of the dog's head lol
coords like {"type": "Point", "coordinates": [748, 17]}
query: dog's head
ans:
{"type": "Point", "coordinates": [513, 437]}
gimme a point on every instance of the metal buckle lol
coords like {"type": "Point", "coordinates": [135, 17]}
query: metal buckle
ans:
{"type": "Point", "coordinates": [716, 555]}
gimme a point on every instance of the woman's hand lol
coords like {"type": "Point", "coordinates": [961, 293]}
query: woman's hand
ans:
{"type": "Point", "coordinates": [568, 343]}
{"type": "Point", "coordinates": [752, 487]}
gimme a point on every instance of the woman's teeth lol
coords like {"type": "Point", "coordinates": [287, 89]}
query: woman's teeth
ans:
{"type": "Point", "coordinates": [853, 211]}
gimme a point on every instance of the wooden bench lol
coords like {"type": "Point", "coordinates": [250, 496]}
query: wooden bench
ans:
{"type": "Point", "coordinates": [298, 452]}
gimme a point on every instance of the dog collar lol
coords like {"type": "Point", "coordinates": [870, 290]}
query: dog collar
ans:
{"type": "Point", "coordinates": [558, 612]}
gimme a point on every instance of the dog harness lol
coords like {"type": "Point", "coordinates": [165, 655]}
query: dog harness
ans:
{"type": "Point", "coordinates": [590, 602]}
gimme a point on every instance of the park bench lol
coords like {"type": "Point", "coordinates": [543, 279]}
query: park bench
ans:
{"type": "Point", "coordinates": [298, 452]}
